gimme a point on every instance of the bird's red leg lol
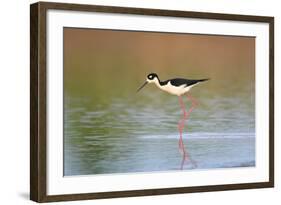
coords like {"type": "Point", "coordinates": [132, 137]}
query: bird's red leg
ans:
{"type": "Point", "coordinates": [185, 117]}
{"type": "Point", "coordinates": [181, 125]}
{"type": "Point", "coordinates": [194, 104]}
{"type": "Point", "coordinates": [193, 101]}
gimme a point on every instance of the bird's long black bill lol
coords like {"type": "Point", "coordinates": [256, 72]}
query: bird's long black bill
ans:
{"type": "Point", "coordinates": [142, 86]}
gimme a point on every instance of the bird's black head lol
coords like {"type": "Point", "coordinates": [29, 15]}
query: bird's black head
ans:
{"type": "Point", "coordinates": [151, 76]}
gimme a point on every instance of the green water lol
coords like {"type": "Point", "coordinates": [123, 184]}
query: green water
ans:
{"type": "Point", "coordinates": [138, 132]}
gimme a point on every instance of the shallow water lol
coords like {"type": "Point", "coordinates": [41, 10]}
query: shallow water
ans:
{"type": "Point", "coordinates": [130, 135]}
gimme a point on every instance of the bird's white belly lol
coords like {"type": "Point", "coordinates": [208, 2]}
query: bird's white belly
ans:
{"type": "Point", "coordinates": [175, 90]}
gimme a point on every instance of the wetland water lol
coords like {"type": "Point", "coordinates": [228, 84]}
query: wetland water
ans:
{"type": "Point", "coordinates": [140, 134]}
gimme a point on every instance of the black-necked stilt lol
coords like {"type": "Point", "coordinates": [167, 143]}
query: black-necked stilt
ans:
{"type": "Point", "coordinates": [179, 87]}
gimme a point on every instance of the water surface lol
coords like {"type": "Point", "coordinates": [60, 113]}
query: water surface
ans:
{"type": "Point", "coordinates": [131, 135]}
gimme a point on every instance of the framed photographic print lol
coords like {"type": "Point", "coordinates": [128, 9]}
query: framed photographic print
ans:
{"type": "Point", "coordinates": [134, 102]}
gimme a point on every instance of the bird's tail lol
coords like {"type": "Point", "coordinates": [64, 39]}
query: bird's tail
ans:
{"type": "Point", "coordinates": [202, 80]}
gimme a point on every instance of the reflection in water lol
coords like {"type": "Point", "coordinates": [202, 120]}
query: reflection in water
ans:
{"type": "Point", "coordinates": [131, 135]}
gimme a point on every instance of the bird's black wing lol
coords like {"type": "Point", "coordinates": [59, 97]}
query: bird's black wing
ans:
{"type": "Point", "coordinates": [186, 82]}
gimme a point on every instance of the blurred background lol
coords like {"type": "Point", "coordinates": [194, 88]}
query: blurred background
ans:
{"type": "Point", "coordinates": [108, 128]}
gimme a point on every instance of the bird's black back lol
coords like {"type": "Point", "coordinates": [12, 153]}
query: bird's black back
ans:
{"type": "Point", "coordinates": [182, 81]}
